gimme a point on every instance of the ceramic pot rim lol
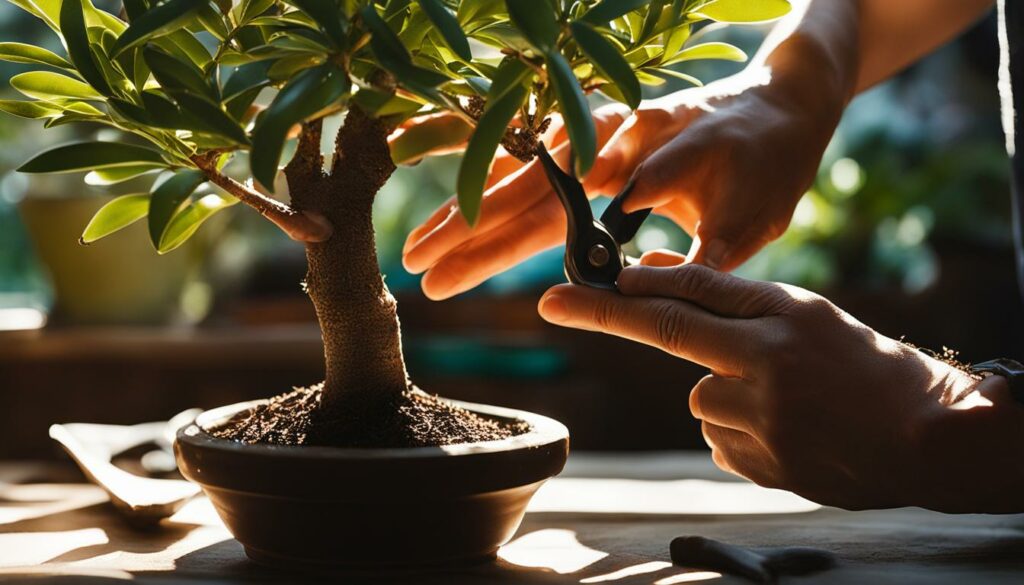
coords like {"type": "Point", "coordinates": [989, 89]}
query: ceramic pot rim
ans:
{"type": "Point", "coordinates": [333, 473]}
{"type": "Point", "coordinates": [543, 431]}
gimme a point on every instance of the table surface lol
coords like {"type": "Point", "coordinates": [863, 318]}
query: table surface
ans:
{"type": "Point", "coordinates": [608, 519]}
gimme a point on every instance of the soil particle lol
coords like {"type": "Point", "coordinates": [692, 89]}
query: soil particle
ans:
{"type": "Point", "coordinates": [411, 419]}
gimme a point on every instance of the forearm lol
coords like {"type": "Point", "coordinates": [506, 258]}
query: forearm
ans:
{"type": "Point", "coordinates": [827, 51]}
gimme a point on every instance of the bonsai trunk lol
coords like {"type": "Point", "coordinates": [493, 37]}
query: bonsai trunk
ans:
{"type": "Point", "coordinates": [365, 370]}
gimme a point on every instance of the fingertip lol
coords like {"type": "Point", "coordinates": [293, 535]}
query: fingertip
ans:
{"type": "Point", "coordinates": [437, 286]}
{"type": "Point", "coordinates": [662, 258]}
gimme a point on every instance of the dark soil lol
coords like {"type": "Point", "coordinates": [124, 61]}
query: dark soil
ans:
{"type": "Point", "coordinates": [412, 419]}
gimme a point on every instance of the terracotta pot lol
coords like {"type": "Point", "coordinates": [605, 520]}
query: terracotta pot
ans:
{"type": "Point", "coordinates": [326, 508]}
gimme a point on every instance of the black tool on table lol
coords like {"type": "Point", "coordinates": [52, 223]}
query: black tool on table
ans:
{"type": "Point", "coordinates": [593, 247]}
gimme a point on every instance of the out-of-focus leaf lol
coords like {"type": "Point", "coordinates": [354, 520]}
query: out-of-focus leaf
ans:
{"type": "Point", "coordinates": [22, 53]}
{"type": "Point", "coordinates": [157, 21]}
{"type": "Point", "coordinates": [714, 50]}
{"type": "Point", "coordinates": [187, 221]}
{"type": "Point", "coordinates": [116, 215]}
{"type": "Point", "coordinates": [608, 10]}
{"type": "Point", "coordinates": [168, 197]}
{"type": "Point", "coordinates": [743, 11]}
{"type": "Point", "coordinates": [536, 20]}
{"type": "Point", "coordinates": [173, 73]}
{"type": "Point", "coordinates": [82, 156]}
{"type": "Point", "coordinates": [579, 123]}
{"type": "Point", "coordinates": [501, 108]}
{"type": "Point", "coordinates": [114, 175]}
{"type": "Point", "coordinates": [24, 109]}
{"type": "Point", "coordinates": [612, 65]}
{"type": "Point", "coordinates": [72, 27]}
{"type": "Point", "coordinates": [328, 16]}
{"type": "Point", "coordinates": [675, 39]}
{"type": "Point", "coordinates": [448, 26]}
{"type": "Point", "coordinates": [308, 93]}
{"type": "Point", "coordinates": [47, 85]}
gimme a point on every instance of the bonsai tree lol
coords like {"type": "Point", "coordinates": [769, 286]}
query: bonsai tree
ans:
{"type": "Point", "coordinates": [214, 96]}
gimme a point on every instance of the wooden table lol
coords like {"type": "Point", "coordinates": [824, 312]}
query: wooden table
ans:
{"type": "Point", "coordinates": [607, 519]}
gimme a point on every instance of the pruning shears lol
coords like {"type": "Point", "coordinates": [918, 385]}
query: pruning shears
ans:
{"type": "Point", "coordinates": [593, 247]}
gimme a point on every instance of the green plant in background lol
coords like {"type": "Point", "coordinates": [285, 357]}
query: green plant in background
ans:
{"type": "Point", "coordinates": [216, 95]}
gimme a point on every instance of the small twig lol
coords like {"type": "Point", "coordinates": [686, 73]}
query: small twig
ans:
{"type": "Point", "coordinates": [300, 226]}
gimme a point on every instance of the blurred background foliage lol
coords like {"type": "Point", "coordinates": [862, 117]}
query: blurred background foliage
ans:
{"type": "Point", "coordinates": [916, 163]}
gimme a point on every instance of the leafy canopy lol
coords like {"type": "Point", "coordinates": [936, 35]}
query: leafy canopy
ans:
{"type": "Point", "coordinates": [202, 80]}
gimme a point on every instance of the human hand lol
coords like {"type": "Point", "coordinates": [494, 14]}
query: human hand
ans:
{"type": "Point", "coordinates": [520, 216]}
{"type": "Point", "coordinates": [729, 170]}
{"type": "Point", "coordinates": [803, 397]}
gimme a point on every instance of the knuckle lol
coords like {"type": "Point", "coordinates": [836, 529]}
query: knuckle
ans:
{"type": "Point", "coordinates": [670, 327]}
{"type": "Point", "coordinates": [691, 281]}
{"type": "Point", "coordinates": [605, 314]}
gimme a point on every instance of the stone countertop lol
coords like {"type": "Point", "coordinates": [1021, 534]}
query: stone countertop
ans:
{"type": "Point", "coordinates": [607, 519]}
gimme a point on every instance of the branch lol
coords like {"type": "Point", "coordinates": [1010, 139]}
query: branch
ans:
{"type": "Point", "coordinates": [300, 226]}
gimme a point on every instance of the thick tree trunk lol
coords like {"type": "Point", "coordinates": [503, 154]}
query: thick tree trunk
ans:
{"type": "Point", "coordinates": [365, 370]}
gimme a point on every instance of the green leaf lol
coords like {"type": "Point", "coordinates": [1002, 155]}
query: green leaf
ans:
{"type": "Point", "coordinates": [612, 65]}
{"type": "Point", "coordinates": [608, 10]}
{"type": "Point", "coordinates": [168, 197]}
{"type": "Point", "coordinates": [187, 221]}
{"type": "Point", "coordinates": [579, 123]}
{"type": "Point", "coordinates": [46, 10]}
{"type": "Point", "coordinates": [328, 16]}
{"type": "Point", "coordinates": [116, 215]}
{"type": "Point", "coordinates": [114, 175]}
{"type": "Point", "coordinates": [73, 29]}
{"type": "Point", "coordinates": [714, 50]}
{"type": "Point", "coordinates": [536, 20]}
{"type": "Point", "coordinates": [677, 75]}
{"type": "Point", "coordinates": [82, 156]}
{"type": "Point", "coordinates": [211, 118]}
{"type": "Point", "coordinates": [393, 56]}
{"type": "Point", "coordinates": [246, 77]}
{"type": "Point", "coordinates": [47, 85]}
{"type": "Point", "coordinates": [22, 53]}
{"type": "Point", "coordinates": [24, 109]}
{"type": "Point", "coordinates": [448, 26]}
{"type": "Point", "coordinates": [157, 21]}
{"type": "Point", "coordinates": [482, 145]}
{"type": "Point", "coordinates": [308, 93]}
{"type": "Point", "coordinates": [743, 11]}
{"type": "Point", "coordinates": [475, 13]}
{"type": "Point", "coordinates": [173, 73]}
{"type": "Point", "coordinates": [417, 141]}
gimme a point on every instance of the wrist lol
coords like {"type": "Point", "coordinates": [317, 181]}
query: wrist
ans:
{"type": "Point", "coordinates": [970, 451]}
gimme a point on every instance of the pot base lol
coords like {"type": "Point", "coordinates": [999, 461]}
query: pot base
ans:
{"type": "Point", "coordinates": [280, 562]}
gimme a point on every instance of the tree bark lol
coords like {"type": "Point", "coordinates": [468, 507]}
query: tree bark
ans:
{"type": "Point", "coordinates": [365, 370]}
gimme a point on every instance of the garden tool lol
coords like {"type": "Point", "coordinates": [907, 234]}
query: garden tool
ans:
{"type": "Point", "coordinates": [593, 247]}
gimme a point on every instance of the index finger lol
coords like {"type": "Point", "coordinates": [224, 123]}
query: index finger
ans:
{"type": "Point", "coordinates": [680, 328]}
